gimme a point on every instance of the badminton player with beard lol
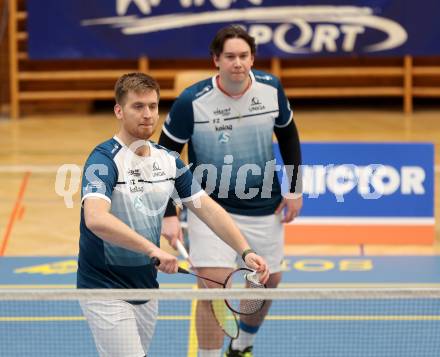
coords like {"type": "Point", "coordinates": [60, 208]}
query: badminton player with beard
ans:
{"type": "Point", "coordinates": [126, 185]}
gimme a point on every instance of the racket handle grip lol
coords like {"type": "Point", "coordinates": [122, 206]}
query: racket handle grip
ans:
{"type": "Point", "coordinates": [182, 271]}
{"type": "Point", "coordinates": [182, 249]}
{"type": "Point", "coordinates": [156, 262]}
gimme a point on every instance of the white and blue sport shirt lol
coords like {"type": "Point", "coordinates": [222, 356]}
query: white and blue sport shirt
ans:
{"type": "Point", "coordinates": [230, 141]}
{"type": "Point", "coordinates": [138, 189]}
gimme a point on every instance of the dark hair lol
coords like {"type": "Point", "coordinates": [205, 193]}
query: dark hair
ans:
{"type": "Point", "coordinates": [136, 82]}
{"type": "Point", "coordinates": [231, 31]}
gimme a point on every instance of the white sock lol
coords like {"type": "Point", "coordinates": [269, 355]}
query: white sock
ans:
{"type": "Point", "coordinates": [210, 353]}
{"type": "Point", "coordinates": [244, 340]}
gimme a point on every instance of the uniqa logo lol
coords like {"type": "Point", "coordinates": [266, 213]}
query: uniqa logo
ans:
{"type": "Point", "coordinates": [292, 29]}
{"type": "Point", "coordinates": [156, 166]}
{"type": "Point", "coordinates": [256, 105]}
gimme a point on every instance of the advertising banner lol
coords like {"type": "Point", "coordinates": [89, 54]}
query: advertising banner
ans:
{"type": "Point", "coordinates": [381, 193]}
{"type": "Point", "coordinates": [184, 28]}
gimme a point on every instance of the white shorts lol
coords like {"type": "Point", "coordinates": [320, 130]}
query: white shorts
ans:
{"type": "Point", "coordinates": [264, 234]}
{"type": "Point", "coordinates": [121, 329]}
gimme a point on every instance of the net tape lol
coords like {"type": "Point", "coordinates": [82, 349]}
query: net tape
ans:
{"type": "Point", "coordinates": [211, 294]}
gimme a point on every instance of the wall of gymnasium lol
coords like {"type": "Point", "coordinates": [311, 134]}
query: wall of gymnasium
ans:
{"type": "Point", "coordinates": [4, 57]}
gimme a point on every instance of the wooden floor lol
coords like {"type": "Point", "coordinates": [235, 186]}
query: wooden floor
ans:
{"type": "Point", "coordinates": [34, 220]}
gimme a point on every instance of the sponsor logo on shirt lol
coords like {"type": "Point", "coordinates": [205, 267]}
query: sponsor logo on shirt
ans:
{"type": "Point", "coordinates": [256, 105]}
{"type": "Point", "coordinates": [265, 77]}
{"type": "Point", "coordinates": [115, 147]}
{"type": "Point", "coordinates": [224, 137]}
{"type": "Point", "coordinates": [134, 172]}
{"type": "Point", "coordinates": [157, 171]}
{"type": "Point", "coordinates": [133, 181]}
{"type": "Point", "coordinates": [223, 127]}
{"type": "Point", "coordinates": [223, 112]}
{"type": "Point", "coordinates": [136, 189]}
{"type": "Point", "coordinates": [203, 91]}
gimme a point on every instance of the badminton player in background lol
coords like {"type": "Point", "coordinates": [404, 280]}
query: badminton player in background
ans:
{"type": "Point", "coordinates": [126, 185]}
{"type": "Point", "coordinates": [228, 122]}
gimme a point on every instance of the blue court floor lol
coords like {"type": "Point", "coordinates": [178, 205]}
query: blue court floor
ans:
{"type": "Point", "coordinates": [315, 328]}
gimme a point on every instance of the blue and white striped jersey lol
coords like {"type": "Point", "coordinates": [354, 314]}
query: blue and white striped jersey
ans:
{"type": "Point", "coordinates": [230, 141]}
{"type": "Point", "coordinates": [138, 189]}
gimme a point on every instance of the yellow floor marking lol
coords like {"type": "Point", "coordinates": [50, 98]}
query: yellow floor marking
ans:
{"type": "Point", "coordinates": [192, 335]}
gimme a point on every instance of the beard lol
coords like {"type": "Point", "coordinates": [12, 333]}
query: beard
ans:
{"type": "Point", "coordinates": [144, 133]}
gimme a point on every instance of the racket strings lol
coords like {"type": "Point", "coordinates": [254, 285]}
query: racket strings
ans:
{"type": "Point", "coordinates": [225, 318]}
{"type": "Point", "coordinates": [244, 278]}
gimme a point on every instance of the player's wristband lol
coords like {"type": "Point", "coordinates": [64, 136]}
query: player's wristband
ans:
{"type": "Point", "coordinates": [292, 195]}
{"type": "Point", "coordinates": [246, 252]}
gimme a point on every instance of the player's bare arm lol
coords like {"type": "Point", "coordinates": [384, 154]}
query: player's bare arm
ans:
{"type": "Point", "coordinates": [111, 229]}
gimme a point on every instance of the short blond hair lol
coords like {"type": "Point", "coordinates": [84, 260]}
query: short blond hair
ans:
{"type": "Point", "coordinates": [136, 82]}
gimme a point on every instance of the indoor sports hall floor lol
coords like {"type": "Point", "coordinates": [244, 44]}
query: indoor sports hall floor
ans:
{"type": "Point", "coordinates": [309, 328]}
{"type": "Point", "coordinates": [39, 239]}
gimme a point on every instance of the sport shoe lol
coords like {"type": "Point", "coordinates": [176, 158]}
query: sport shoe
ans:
{"type": "Point", "coordinates": [247, 352]}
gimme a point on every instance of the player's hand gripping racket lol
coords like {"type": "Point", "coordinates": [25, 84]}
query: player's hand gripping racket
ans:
{"type": "Point", "coordinates": [239, 278]}
{"type": "Point", "coordinates": [224, 312]}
